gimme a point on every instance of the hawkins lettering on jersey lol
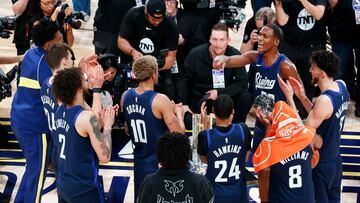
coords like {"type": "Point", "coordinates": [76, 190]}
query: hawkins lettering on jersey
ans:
{"type": "Point", "coordinates": [188, 199]}
{"type": "Point", "coordinates": [61, 123]}
{"type": "Point", "coordinates": [47, 100]}
{"type": "Point", "coordinates": [344, 106]}
{"type": "Point", "coordinates": [227, 149]}
{"type": "Point", "coordinates": [263, 83]}
{"type": "Point", "coordinates": [135, 108]}
{"type": "Point", "coordinates": [299, 155]}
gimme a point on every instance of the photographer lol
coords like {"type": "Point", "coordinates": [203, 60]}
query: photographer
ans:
{"type": "Point", "coordinates": [146, 30]}
{"type": "Point", "coordinates": [113, 82]}
{"type": "Point", "coordinates": [28, 12]}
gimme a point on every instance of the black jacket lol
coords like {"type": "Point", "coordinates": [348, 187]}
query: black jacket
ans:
{"type": "Point", "coordinates": [175, 186]}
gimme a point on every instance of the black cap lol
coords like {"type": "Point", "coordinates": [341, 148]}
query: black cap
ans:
{"type": "Point", "coordinates": [156, 7]}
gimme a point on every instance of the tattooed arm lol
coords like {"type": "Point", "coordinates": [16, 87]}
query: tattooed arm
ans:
{"type": "Point", "coordinates": [87, 125]}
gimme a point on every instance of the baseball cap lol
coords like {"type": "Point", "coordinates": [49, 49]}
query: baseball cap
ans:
{"type": "Point", "coordinates": [156, 7]}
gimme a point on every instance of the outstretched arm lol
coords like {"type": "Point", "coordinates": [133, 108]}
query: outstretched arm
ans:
{"type": "Point", "coordinates": [235, 61]}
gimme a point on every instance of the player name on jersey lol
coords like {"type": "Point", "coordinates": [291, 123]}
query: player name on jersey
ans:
{"type": "Point", "coordinates": [263, 83]}
{"type": "Point", "coordinates": [227, 149]}
{"type": "Point", "coordinates": [61, 123]}
{"type": "Point", "coordinates": [47, 100]}
{"type": "Point", "coordinates": [299, 155]}
{"type": "Point", "coordinates": [135, 108]}
{"type": "Point", "coordinates": [344, 106]}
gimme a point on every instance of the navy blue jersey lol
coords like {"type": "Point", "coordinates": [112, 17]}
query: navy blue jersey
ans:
{"type": "Point", "coordinates": [330, 129]}
{"type": "Point", "coordinates": [291, 179]}
{"type": "Point", "coordinates": [78, 164]}
{"type": "Point", "coordinates": [49, 102]}
{"type": "Point", "coordinates": [226, 164]}
{"type": "Point", "coordinates": [50, 107]}
{"type": "Point", "coordinates": [27, 110]}
{"type": "Point", "coordinates": [266, 82]}
{"type": "Point", "coordinates": [145, 131]}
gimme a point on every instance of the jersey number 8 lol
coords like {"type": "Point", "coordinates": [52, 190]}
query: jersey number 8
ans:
{"type": "Point", "coordinates": [295, 180]}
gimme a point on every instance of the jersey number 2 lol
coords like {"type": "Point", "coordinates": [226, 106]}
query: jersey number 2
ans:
{"type": "Point", "coordinates": [139, 130]}
{"type": "Point", "coordinates": [62, 141]}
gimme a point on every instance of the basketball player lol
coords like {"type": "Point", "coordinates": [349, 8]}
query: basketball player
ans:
{"type": "Point", "coordinates": [327, 116]}
{"type": "Point", "coordinates": [28, 120]}
{"type": "Point", "coordinates": [226, 168]}
{"type": "Point", "coordinates": [268, 63]}
{"type": "Point", "coordinates": [81, 145]}
{"type": "Point", "coordinates": [58, 57]}
{"type": "Point", "coordinates": [148, 116]}
{"type": "Point", "coordinates": [287, 153]}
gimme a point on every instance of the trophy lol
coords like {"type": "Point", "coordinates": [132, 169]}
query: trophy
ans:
{"type": "Point", "coordinates": [197, 126]}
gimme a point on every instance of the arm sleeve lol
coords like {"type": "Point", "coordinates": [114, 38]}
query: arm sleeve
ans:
{"type": "Point", "coordinates": [144, 191]}
{"type": "Point", "coordinates": [185, 80]}
{"type": "Point", "coordinates": [321, 2]}
{"type": "Point", "coordinates": [238, 82]}
{"type": "Point", "coordinates": [248, 28]}
{"type": "Point", "coordinates": [172, 35]}
{"type": "Point", "coordinates": [247, 135]}
{"type": "Point", "coordinates": [202, 148]}
{"type": "Point", "coordinates": [207, 193]}
{"type": "Point", "coordinates": [128, 24]}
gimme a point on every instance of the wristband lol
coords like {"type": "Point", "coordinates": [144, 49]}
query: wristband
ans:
{"type": "Point", "coordinates": [97, 90]}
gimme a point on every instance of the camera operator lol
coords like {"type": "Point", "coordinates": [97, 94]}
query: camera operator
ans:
{"type": "Point", "coordinates": [28, 12]}
{"type": "Point", "coordinates": [146, 30]}
{"type": "Point", "coordinates": [198, 77]}
{"type": "Point", "coordinates": [112, 78]}
{"type": "Point", "coordinates": [107, 21]}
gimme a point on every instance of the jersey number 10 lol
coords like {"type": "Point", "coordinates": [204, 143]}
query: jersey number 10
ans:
{"type": "Point", "coordinates": [139, 130]}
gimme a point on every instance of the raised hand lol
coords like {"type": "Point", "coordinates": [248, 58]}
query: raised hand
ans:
{"type": "Point", "coordinates": [298, 88]}
{"type": "Point", "coordinates": [108, 117]}
{"type": "Point", "coordinates": [95, 76]}
{"type": "Point", "coordinates": [285, 87]}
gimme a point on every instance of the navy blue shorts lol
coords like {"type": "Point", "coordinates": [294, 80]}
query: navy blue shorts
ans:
{"type": "Point", "coordinates": [93, 196]}
{"type": "Point", "coordinates": [327, 181]}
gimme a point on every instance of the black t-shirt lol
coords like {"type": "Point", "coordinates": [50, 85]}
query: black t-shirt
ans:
{"type": "Point", "coordinates": [302, 29]}
{"type": "Point", "coordinates": [110, 14]}
{"type": "Point", "coordinates": [203, 144]}
{"type": "Point", "coordinates": [146, 38]}
{"type": "Point", "coordinates": [341, 23]}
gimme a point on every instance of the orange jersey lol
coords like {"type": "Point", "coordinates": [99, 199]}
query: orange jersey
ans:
{"type": "Point", "coordinates": [285, 138]}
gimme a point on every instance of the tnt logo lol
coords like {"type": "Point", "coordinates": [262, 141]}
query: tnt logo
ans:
{"type": "Point", "coordinates": [305, 21]}
{"type": "Point", "coordinates": [146, 46]}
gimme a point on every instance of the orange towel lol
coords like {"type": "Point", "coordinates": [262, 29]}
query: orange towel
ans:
{"type": "Point", "coordinates": [285, 138]}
